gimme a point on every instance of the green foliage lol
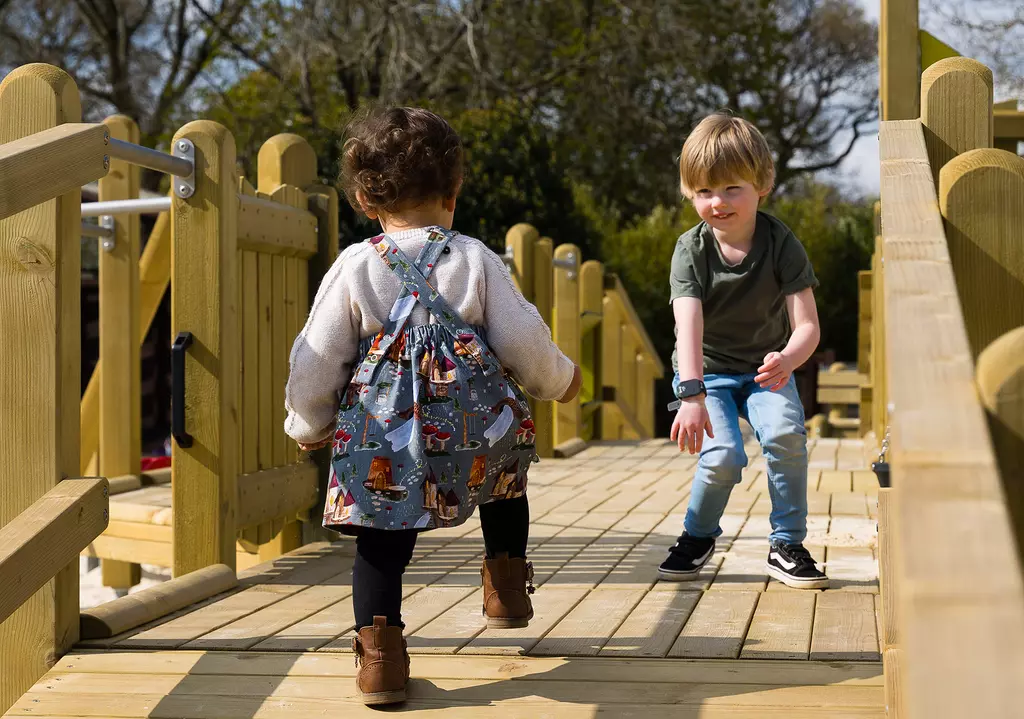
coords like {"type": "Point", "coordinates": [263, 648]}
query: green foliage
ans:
{"type": "Point", "coordinates": [514, 174]}
{"type": "Point", "coordinates": [839, 239]}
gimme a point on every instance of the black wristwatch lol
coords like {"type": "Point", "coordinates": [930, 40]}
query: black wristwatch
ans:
{"type": "Point", "coordinates": [685, 390]}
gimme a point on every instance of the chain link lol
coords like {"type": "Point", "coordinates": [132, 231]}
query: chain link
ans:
{"type": "Point", "coordinates": [885, 445]}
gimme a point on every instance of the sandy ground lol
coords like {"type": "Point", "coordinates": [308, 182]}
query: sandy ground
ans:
{"type": "Point", "coordinates": [92, 592]}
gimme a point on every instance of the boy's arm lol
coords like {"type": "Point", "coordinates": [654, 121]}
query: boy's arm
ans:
{"type": "Point", "coordinates": [689, 316]}
{"type": "Point", "coordinates": [803, 319]}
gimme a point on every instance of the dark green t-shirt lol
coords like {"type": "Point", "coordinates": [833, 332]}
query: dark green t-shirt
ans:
{"type": "Point", "coordinates": [744, 305]}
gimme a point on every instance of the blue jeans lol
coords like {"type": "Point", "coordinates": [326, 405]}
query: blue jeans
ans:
{"type": "Point", "coordinates": [778, 422]}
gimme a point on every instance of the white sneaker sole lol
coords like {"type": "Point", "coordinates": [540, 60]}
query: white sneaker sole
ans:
{"type": "Point", "coordinates": [687, 576]}
{"type": "Point", "coordinates": [793, 581]}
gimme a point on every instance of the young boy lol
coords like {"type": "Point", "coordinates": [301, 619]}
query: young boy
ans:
{"type": "Point", "coordinates": [745, 318]}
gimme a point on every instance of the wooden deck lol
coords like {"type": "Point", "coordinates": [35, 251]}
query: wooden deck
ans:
{"type": "Point", "coordinates": [607, 639]}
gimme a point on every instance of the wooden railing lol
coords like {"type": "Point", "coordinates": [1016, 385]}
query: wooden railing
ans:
{"type": "Point", "coordinates": [594, 323]}
{"type": "Point", "coordinates": [242, 264]}
{"type": "Point", "coordinates": [947, 288]}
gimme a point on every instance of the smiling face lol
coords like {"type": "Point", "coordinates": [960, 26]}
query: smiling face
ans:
{"type": "Point", "coordinates": [730, 206]}
{"type": "Point", "coordinates": [725, 168]}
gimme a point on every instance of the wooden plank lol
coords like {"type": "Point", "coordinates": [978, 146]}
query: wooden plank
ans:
{"type": "Point", "coordinates": [314, 631]}
{"type": "Point", "coordinates": [461, 693]}
{"type": "Point", "coordinates": [450, 631]}
{"type": "Point", "coordinates": [553, 669]}
{"type": "Point", "coordinates": [275, 228]}
{"type": "Point", "coordinates": [120, 424]}
{"type": "Point", "coordinates": [278, 357]}
{"type": "Point", "coordinates": [204, 293]}
{"type": "Point", "coordinates": [271, 493]}
{"type": "Point", "coordinates": [585, 630]}
{"type": "Point", "coordinates": [250, 400]}
{"type": "Point", "coordinates": [418, 609]}
{"type": "Point", "coordinates": [849, 503]}
{"type": "Point", "coordinates": [40, 321]}
{"type": "Point", "coordinates": [138, 551]}
{"type": "Point", "coordinates": [898, 46]}
{"type": "Point", "coordinates": [888, 582]}
{"type": "Point", "coordinates": [566, 333]}
{"type": "Point", "coordinates": [836, 481]}
{"type": "Point", "coordinates": [844, 628]}
{"type": "Point", "coordinates": [133, 610]}
{"type": "Point", "coordinates": [652, 627]}
{"type": "Point", "coordinates": [550, 605]}
{"type": "Point", "coordinates": [852, 569]}
{"type": "Point", "coordinates": [266, 350]}
{"type": "Point", "coordinates": [47, 537]}
{"type": "Point", "coordinates": [781, 627]}
{"type": "Point", "coordinates": [48, 163]}
{"type": "Point", "coordinates": [251, 629]}
{"type": "Point", "coordinates": [717, 626]}
{"type": "Point", "coordinates": [956, 108]}
{"type": "Point", "coordinates": [894, 682]}
{"type": "Point", "coordinates": [139, 530]}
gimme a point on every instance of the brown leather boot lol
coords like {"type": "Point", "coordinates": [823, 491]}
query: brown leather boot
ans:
{"type": "Point", "coordinates": [508, 584]}
{"type": "Point", "coordinates": [383, 663]}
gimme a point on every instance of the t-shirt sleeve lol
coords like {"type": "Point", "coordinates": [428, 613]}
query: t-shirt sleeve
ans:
{"type": "Point", "coordinates": [683, 277]}
{"type": "Point", "coordinates": [794, 268]}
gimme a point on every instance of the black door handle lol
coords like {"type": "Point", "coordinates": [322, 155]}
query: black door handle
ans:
{"type": "Point", "coordinates": [178, 349]}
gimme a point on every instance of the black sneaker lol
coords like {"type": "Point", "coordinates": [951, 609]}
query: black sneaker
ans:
{"type": "Point", "coordinates": [686, 558]}
{"type": "Point", "coordinates": [793, 565]}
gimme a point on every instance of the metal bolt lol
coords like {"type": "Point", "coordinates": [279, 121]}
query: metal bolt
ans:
{"type": "Point", "coordinates": [106, 162]}
{"type": "Point", "coordinates": [106, 515]}
{"type": "Point", "coordinates": [107, 243]}
{"type": "Point", "coordinates": [891, 407]}
{"type": "Point", "coordinates": [183, 145]}
{"type": "Point", "coordinates": [104, 491]}
{"type": "Point", "coordinates": [184, 191]}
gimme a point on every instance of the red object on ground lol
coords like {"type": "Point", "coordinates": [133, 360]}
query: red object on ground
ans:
{"type": "Point", "coordinates": [149, 463]}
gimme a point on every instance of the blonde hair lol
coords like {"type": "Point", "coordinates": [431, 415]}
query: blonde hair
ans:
{"type": "Point", "coordinates": [722, 148]}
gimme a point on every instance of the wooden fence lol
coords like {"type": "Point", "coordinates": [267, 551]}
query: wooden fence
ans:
{"type": "Point", "coordinates": [946, 377]}
{"type": "Point", "coordinates": [241, 263]}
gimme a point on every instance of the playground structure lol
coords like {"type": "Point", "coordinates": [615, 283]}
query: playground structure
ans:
{"type": "Point", "coordinates": [940, 376]}
{"type": "Point", "coordinates": [241, 264]}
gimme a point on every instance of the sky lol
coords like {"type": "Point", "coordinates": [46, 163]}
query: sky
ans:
{"type": "Point", "coordinates": [860, 168]}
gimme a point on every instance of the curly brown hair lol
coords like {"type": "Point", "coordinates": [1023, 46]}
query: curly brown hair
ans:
{"type": "Point", "coordinates": [400, 157]}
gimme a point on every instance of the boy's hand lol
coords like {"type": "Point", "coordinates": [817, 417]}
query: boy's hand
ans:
{"type": "Point", "coordinates": [314, 446]}
{"type": "Point", "coordinates": [690, 424]}
{"type": "Point", "coordinates": [574, 386]}
{"type": "Point", "coordinates": [775, 372]}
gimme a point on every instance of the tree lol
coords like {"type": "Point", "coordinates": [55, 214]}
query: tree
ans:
{"type": "Point", "coordinates": [990, 31]}
{"type": "Point", "coordinates": [135, 57]}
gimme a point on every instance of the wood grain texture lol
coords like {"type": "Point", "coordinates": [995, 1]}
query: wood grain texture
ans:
{"type": "Point", "coordinates": [958, 598]}
{"type": "Point", "coordinates": [40, 275]}
{"type": "Point", "coordinates": [204, 298]}
{"type": "Point", "coordinates": [120, 408]}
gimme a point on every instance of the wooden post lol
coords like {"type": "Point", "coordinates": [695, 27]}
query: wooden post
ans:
{"type": "Point", "coordinates": [120, 422]}
{"type": "Point", "coordinates": [204, 241]}
{"type": "Point", "coordinates": [956, 109]}
{"type": "Point", "coordinates": [323, 203]}
{"type": "Point", "coordinates": [591, 295]}
{"type": "Point", "coordinates": [566, 330]}
{"type": "Point", "coordinates": [864, 351]}
{"type": "Point", "coordinates": [611, 366]}
{"type": "Point", "coordinates": [981, 196]}
{"type": "Point", "coordinates": [1010, 144]}
{"type": "Point", "coordinates": [1000, 379]}
{"type": "Point", "coordinates": [543, 300]}
{"type": "Point", "coordinates": [879, 364]}
{"type": "Point", "coordinates": [519, 243]}
{"type": "Point", "coordinates": [286, 163]}
{"type": "Point", "coordinates": [898, 48]}
{"type": "Point", "coordinates": [40, 379]}
{"type": "Point", "coordinates": [645, 394]}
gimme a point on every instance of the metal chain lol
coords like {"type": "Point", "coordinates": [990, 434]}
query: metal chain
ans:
{"type": "Point", "coordinates": [885, 445]}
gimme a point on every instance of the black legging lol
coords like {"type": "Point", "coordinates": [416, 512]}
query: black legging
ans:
{"type": "Point", "coordinates": [382, 556]}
